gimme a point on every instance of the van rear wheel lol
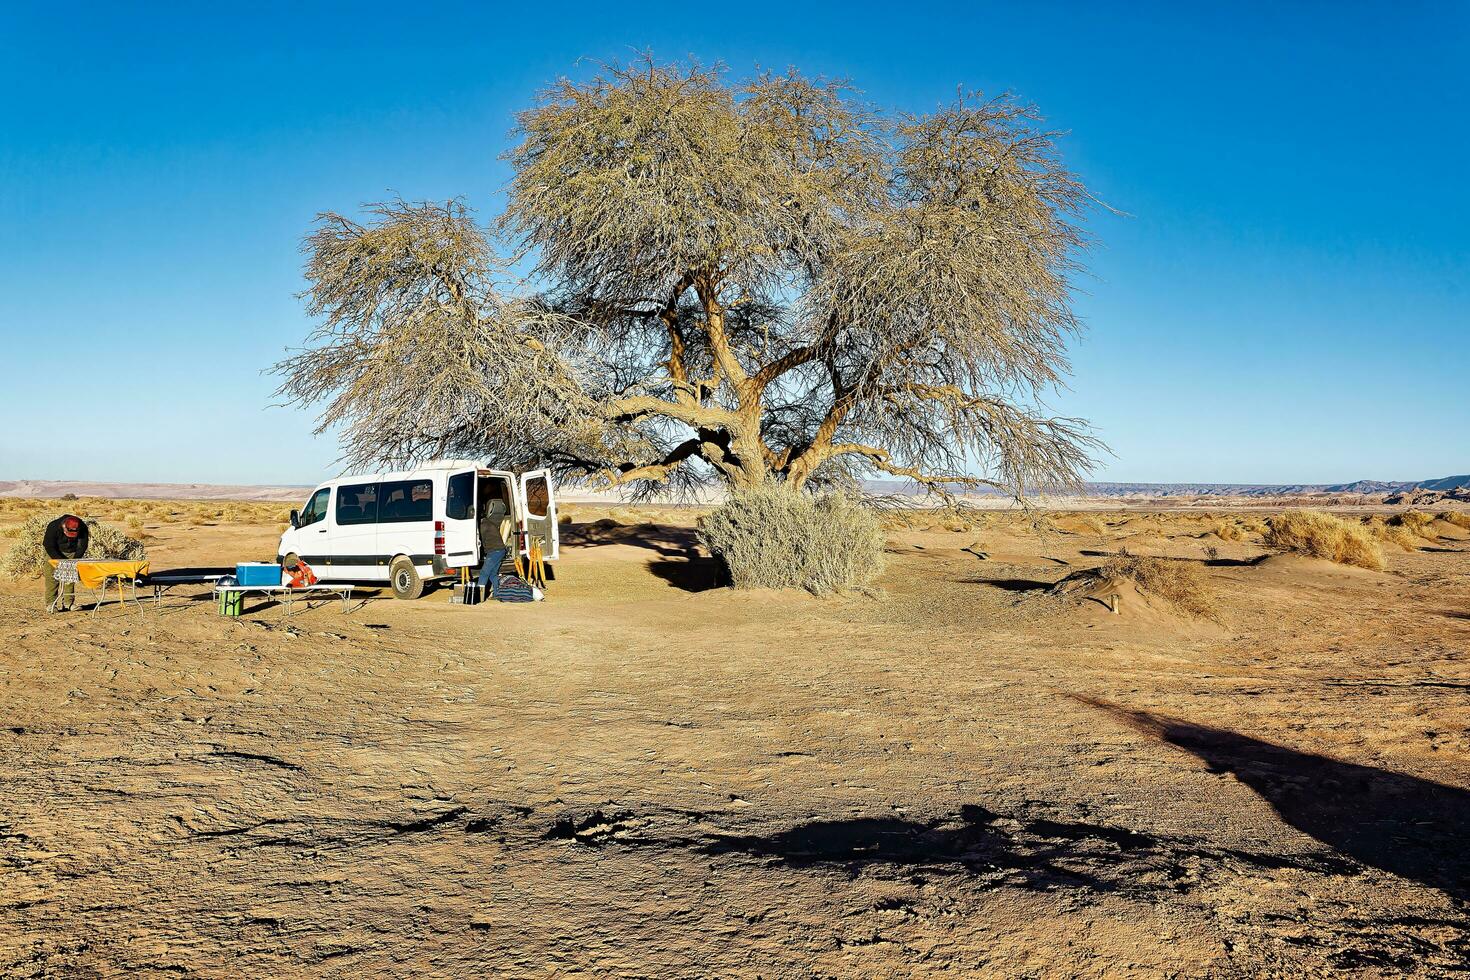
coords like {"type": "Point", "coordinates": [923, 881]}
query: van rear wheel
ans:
{"type": "Point", "coordinates": [405, 579]}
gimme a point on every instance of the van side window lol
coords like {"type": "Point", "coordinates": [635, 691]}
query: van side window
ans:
{"type": "Point", "coordinates": [357, 504]}
{"type": "Point", "coordinates": [461, 504]}
{"type": "Point", "coordinates": [315, 509]}
{"type": "Point", "coordinates": [538, 496]}
{"type": "Point", "coordinates": [402, 501]}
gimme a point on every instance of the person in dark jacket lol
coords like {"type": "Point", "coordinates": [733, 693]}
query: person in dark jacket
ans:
{"type": "Point", "coordinates": [495, 538]}
{"type": "Point", "coordinates": [66, 538]}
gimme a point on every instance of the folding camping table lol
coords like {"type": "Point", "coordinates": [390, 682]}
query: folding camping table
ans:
{"type": "Point", "coordinates": [171, 577]}
{"type": "Point", "coordinates": [95, 575]}
{"type": "Point", "coordinates": [288, 593]}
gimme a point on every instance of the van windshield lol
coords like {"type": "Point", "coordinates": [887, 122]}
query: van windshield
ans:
{"type": "Point", "coordinates": [315, 509]}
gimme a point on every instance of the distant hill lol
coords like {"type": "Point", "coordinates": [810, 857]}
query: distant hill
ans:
{"type": "Point", "coordinates": [1229, 489]}
{"type": "Point", "coordinates": [146, 491]}
{"type": "Point", "coordinates": [1405, 491]}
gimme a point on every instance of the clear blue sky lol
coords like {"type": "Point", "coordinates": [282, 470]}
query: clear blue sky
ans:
{"type": "Point", "coordinates": [1288, 299]}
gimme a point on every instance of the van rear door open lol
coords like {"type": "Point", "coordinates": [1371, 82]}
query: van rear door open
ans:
{"type": "Point", "coordinates": [538, 511]}
{"type": "Point", "coordinates": [461, 507]}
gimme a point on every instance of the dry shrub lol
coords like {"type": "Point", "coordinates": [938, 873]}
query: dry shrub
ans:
{"type": "Point", "coordinates": [1227, 531]}
{"type": "Point", "coordinates": [1254, 525]}
{"type": "Point", "coordinates": [1414, 521]}
{"type": "Point", "coordinates": [1319, 535]}
{"type": "Point", "coordinates": [1391, 534]}
{"type": "Point", "coordinates": [1455, 517]}
{"type": "Point", "coordinates": [28, 555]}
{"type": "Point", "coordinates": [774, 538]}
{"type": "Point", "coordinates": [1081, 524]}
{"type": "Point", "coordinates": [1181, 583]}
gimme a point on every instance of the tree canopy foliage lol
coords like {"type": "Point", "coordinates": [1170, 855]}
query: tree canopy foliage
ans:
{"type": "Point", "coordinates": [757, 280]}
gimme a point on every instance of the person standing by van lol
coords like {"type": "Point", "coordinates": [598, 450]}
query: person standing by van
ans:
{"type": "Point", "coordinates": [495, 537]}
{"type": "Point", "coordinates": [65, 540]}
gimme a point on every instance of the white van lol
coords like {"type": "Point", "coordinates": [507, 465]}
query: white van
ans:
{"type": "Point", "coordinates": [406, 528]}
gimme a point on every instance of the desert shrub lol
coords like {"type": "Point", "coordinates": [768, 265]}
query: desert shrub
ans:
{"type": "Point", "coordinates": [1254, 525]}
{"type": "Point", "coordinates": [1391, 534]}
{"type": "Point", "coordinates": [1227, 531]}
{"type": "Point", "coordinates": [1455, 517]}
{"type": "Point", "coordinates": [1180, 583]}
{"type": "Point", "coordinates": [1413, 521]}
{"type": "Point", "coordinates": [774, 538]}
{"type": "Point", "coordinates": [1319, 535]}
{"type": "Point", "coordinates": [1081, 524]}
{"type": "Point", "coordinates": [27, 556]}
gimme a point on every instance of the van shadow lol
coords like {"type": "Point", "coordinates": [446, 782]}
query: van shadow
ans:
{"type": "Point", "coordinates": [1411, 827]}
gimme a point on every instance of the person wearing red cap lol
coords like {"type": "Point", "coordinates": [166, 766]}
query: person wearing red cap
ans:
{"type": "Point", "coordinates": [66, 538]}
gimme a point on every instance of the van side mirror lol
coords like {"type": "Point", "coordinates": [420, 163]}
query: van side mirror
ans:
{"type": "Point", "coordinates": [295, 518]}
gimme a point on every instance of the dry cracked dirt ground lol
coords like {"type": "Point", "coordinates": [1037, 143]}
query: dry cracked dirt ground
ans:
{"type": "Point", "coordinates": [960, 776]}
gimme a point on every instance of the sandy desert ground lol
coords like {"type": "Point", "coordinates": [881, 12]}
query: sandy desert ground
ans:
{"type": "Point", "coordinates": [962, 775]}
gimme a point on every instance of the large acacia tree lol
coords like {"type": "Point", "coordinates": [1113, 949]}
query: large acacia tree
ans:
{"type": "Point", "coordinates": [745, 281]}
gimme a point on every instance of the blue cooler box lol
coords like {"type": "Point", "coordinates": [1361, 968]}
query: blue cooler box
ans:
{"type": "Point", "coordinates": [258, 573]}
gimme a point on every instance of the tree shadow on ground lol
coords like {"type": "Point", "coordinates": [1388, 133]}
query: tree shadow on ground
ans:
{"type": "Point", "coordinates": [1041, 854]}
{"type": "Point", "coordinates": [667, 539]}
{"type": "Point", "coordinates": [1410, 827]}
{"type": "Point", "coordinates": [1035, 853]}
{"type": "Point", "coordinates": [692, 574]}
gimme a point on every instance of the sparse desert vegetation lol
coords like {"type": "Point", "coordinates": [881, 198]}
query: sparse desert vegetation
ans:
{"type": "Point", "coordinates": [1228, 531]}
{"type": "Point", "coordinates": [1181, 583]}
{"type": "Point", "coordinates": [955, 741]}
{"type": "Point", "coordinates": [770, 538]}
{"type": "Point", "coordinates": [1318, 535]}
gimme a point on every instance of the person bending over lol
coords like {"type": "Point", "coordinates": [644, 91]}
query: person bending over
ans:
{"type": "Point", "coordinates": [66, 539]}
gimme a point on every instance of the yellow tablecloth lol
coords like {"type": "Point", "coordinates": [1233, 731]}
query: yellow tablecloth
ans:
{"type": "Point", "coordinates": [93, 572]}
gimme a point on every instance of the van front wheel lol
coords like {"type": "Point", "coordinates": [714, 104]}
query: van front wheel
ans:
{"type": "Point", "coordinates": [405, 579]}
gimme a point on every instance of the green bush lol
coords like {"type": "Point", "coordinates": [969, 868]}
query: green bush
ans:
{"type": "Point", "coordinates": [28, 555]}
{"type": "Point", "coordinates": [775, 538]}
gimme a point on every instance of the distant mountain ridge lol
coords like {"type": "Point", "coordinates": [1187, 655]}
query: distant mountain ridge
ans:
{"type": "Point", "coordinates": [1457, 486]}
{"type": "Point", "coordinates": [1105, 489]}
{"type": "Point", "coordinates": [1273, 490]}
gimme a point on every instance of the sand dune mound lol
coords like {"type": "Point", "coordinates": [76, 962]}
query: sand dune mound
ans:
{"type": "Point", "coordinates": [1307, 570]}
{"type": "Point", "coordinates": [1093, 595]}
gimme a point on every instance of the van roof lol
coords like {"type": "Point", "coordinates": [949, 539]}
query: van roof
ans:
{"type": "Point", "coordinates": [433, 466]}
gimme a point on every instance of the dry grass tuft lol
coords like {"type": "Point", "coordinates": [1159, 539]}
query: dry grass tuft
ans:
{"type": "Point", "coordinates": [776, 539]}
{"type": "Point", "coordinates": [1414, 521]}
{"type": "Point", "coordinates": [1391, 534]}
{"type": "Point", "coordinates": [1181, 583]}
{"type": "Point", "coordinates": [1455, 517]}
{"type": "Point", "coordinates": [1319, 535]}
{"type": "Point", "coordinates": [1227, 531]}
